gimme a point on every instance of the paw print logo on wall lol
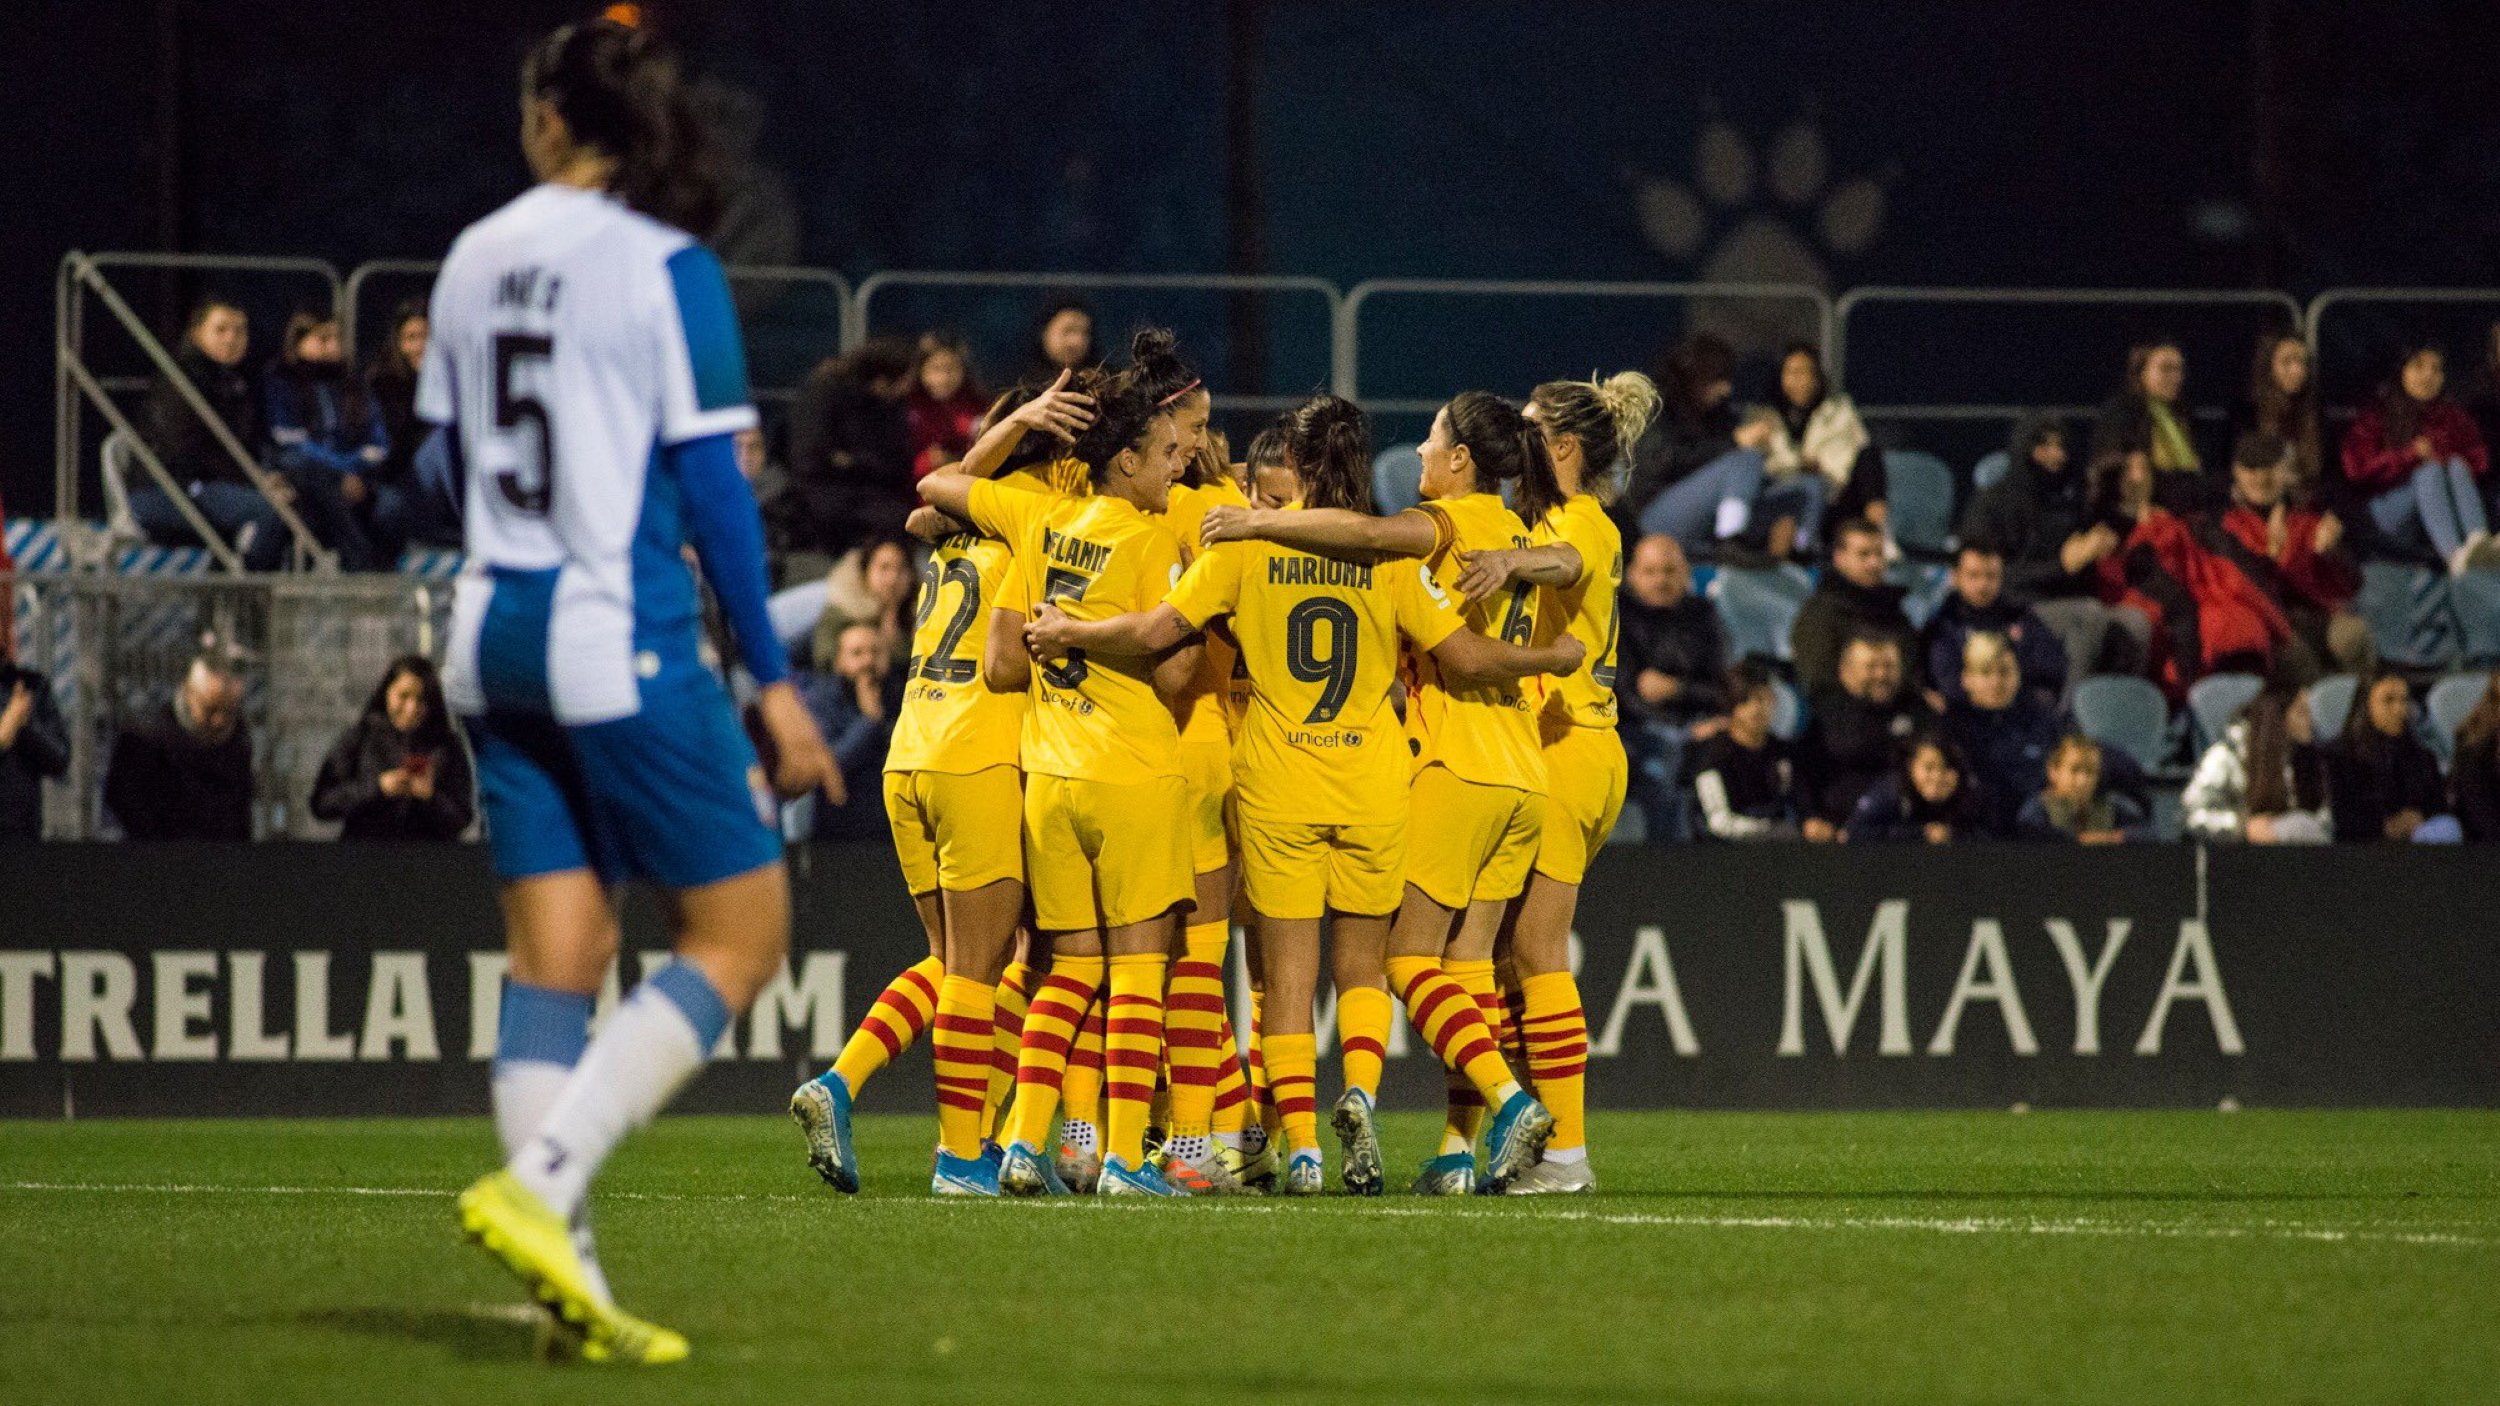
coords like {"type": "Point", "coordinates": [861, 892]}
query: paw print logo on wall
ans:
{"type": "Point", "coordinates": [1751, 218]}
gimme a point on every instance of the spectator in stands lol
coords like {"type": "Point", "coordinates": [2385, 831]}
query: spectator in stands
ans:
{"type": "Point", "coordinates": [2474, 776]}
{"type": "Point", "coordinates": [34, 746]}
{"type": "Point", "coordinates": [2004, 731]}
{"type": "Point", "coordinates": [855, 705]}
{"type": "Point", "coordinates": [1743, 776]}
{"type": "Point", "coordinates": [1670, 676]}
{"type": "Point", "coordinates": [2039, 519]}
{"type": "Point", "coordinates": [2072, 806]}
{"type": "Point", "coordinates": [2147, 422]}
{"type": "Point", "coordinates": [945, 403]}
{"type": "Point", "coordinates": [1698, 474]}
{"type": "Point", "coordinates": [1929, 798]}
{"type": "Point", "coordinates": [2383, 781]}
{"type": "Point", "coordinates": [2210, 616]}
{"type": "Point", "coordinates": [184, 772]}
{"type": "Point", "coordinates": [398, 772]}
{"type": "Point", "coordinates": [391, 388]}
{"type": "Point", "coordinates": [1854, 733]}
{"type": "Point", "coordinates": [2265, 781]}
{"type": "Point", "coordinates": [2283, 402]}
{"type": "Point", "coordinates": [1977, 602]}
{"type": "Point", "coordinates": [872, 585]}
{"type": "Point", "coordinates": [2482, 393]}
{"type": "Point", "coordinates": [2416, 460]}
{"type": "Point", "coordinates": [850, 451]}
{"type": "Point", "coordinates": [2295, 555]}
{"type": "Point", "coordinates": [328, 441]}
{"type": "Point", "coordinates": [1819, 429]}
{"type": "Point", "coordinates": [1852, 598]}
{"type": "Point", "coordinates": [211, 358]}
{"type": "Point", "coordinates": [1063, 340]}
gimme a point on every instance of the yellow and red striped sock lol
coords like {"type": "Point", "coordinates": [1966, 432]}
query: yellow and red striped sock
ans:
{"type": "Point", "coordinates": [1193, 1028]}
{"type": "Point", "coordinates": [1363, 1016]}
{"type": "Point", "coordinates": [1451, 1022]}
{"type": "Point", "coordinates": [1080, 1095]}
{"type": "Point", "coordinates": [1233, 1105]}
{"type": "Point", "coordinates": [959, 1045]}
{"type": "Point", "coordinates": [1007, 1006]}
{"type": "Point", "coordinates": [901, 1012]}
{"type": "Point", "coordinates": [1132, 1049]}
{"type": "Point", "coordinates": [1292, 1072]}
{"type": "Point", "coordinates": [1050, 1026]}
{"type": "Point", "coordinates": [1466, 1105]}
{"type": "Point", "coordinates": [1514, 1031]}
{"type": "Point", "coordinates": [1557, 1033]}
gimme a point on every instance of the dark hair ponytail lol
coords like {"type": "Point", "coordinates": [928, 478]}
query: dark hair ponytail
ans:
{"type": "Point", "coordinates": [620, 92]}
{"type": "Point", "coordinates": [1329, 445]}
{"type": "Point", "coordinates": [1155, 360]}
{"type": "Point", "coordinates": [1507, 449]}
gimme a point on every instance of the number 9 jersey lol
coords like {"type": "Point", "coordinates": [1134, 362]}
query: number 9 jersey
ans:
{"type": "Point", "coordinates": [574, 339]}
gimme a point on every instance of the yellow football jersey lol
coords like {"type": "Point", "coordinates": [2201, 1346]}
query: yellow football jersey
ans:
{"type": "Point", "coordinates": [1090, 719]}
{"type": "Point", "coordinates": [1484, 735]}
{"type": "Point", "coordinates": [1321, 743]}
{"type": "Point", "coordinates": [1201, 707]}
{"type": "Point", "coordinates": [1587, 695]}
{"type": "Point", "coordinates": [950, 720]}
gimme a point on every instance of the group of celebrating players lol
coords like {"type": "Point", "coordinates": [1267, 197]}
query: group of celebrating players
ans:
{"type": "Point", "coordinates": [1152, 692]}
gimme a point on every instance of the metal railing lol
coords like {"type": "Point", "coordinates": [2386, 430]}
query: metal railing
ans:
{"type": "Point", "coordinates": [1347, 351]}
{"type": "Point", "coordinates": [351, 306]}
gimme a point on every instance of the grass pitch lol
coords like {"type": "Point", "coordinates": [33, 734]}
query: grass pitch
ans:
{"type": "Point", "coordinates": [1863, 1257]}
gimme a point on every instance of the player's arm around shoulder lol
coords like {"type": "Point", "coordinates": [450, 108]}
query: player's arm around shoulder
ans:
{"type": "Point", "coordinates": [1339, 532]}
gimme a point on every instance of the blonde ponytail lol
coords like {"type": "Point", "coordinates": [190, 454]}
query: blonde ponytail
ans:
{"type": "Point", "coordinates": [1607, 417]}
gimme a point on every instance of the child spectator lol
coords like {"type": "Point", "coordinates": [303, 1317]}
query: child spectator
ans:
{"type": "Point", "coordinates": [2005, 732]}
{"type": "Point", "coordinates": [331, 445]}
{"type": "Point", "coordinates": [1818, 428]}
{"type": "Point", "coordinates": [34, 746]}
{"type": "Point", "coordinates": [2073, 807]}
{"type": "Point", "coordinates": [2147, 423]}
{"type": "Point", "coordinates": [1929, 798]}
{"type": "Point", "coordinates": [1854, 735]}
{"type": "Point", "coordinates": [398, 772]}
{"type": "Point", "coordinates": [2283, 402]}
{"type": "Point", "coordinates": [2474, 777]}
{"type": "Point", "coordinates": [2416, 462]}
{"type": "Point", "coordinates": [184, 772]}
{"type": "Point", "coordinates": [2039, 518]}
{"type": "Point", "coordinates": [1977, 603]}
{"type": "Point", "coordinates": [855, 706]}
{"type": "Point", "coordinates": [2265, 781]}
{"type": "Point", "coordinates": [1852, 599]}
{"type": "Point", "coordinates": [2210, 616]}
{"type": "Point", "coordinates": [1743, 777]}
{"type": "Point", "coordinates": [1670, 676]}
{"type": "Point", "coordinates": [2295, 555]}
{"type": "Point", "coordinates": [944, 405]}
{"type": "Point", "coordinates": [211, 358]}
{"type": "Point", "coordinates": [2384, 782]}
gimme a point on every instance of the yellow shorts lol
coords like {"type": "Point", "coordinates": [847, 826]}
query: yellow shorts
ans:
{"type": "Point", "coordinates": [1466, 842]}
{"type": "Point", "coordinates": [1585, 774]}
{"type": "Point", "coordinates": [1208, 767]}
{"type": "Point", "coordinates": [1294, 870]}
{"type": "Point", "coordinates": [957, 832]}
{"type": "Point", "coordinates": [1099, 855]}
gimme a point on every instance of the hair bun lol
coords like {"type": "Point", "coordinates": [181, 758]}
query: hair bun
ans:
{"type": "Point", "coordinates": [1153, 344]}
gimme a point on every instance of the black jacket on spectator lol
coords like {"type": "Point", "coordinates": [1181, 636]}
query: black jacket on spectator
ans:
{"type": "Point", "coordinates": [849, 465]}
{"type": "Point", "coordinates": [164, 784]}
{"type": "Point", "coordinates": [1671, 450]}
{"type": "Point", "coordinates": [2008, 751]}
{"type": "Point", "coordinates": [40, 751]}
{"type": "Point", "coordinates": [2474, 786]}
{"type": "Point", "coordinates": [191, 453]}
{"type": "Point", "coordinates": [2125, 426]}
{"type": "Point", "coordinates": [1760, 781]}
{"type": "Point", "coordinates": [2036, 650]}
{"type": "Point", "coordinates": [349, 790]}
{"type": "Point", "coordinates": [1890, 812]}
{"type": "Point", "coordinates": [1849, 744]}
{"type": "Point", "coordinates": [1838, 609]}
{"type": "Point", "coordinates": [2370, 776]}
{"type": "Point", "coordinates": [2028, 515]}
{"type": "Point", "coordinates": [1685, 642]}
{"type": "Point", "coordinates": [393, 396]}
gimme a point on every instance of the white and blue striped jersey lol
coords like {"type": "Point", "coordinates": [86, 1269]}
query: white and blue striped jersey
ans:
{"type": "Point", "coordinates": [576, 345]}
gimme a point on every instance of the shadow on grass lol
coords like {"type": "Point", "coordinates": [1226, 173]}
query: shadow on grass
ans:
{"type": "Point", "coordinates": [479, 1333]}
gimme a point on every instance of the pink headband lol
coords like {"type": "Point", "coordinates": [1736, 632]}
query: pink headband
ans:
{"type": "Point", "coordinates": [1176, 395]}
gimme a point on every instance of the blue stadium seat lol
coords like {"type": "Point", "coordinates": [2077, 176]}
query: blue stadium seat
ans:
{"type": "Point", "coordinates": [1397, 479]}
{"type": "Point", "coordinates": [2476, 598]}
{"type": "Point", "coordinates": [1991, 467]}
{"type": "Point", "coordinates": [2330, 703]}
{"type": "Point", "coordinates": [1918, 493]}
{"type": "Point", "coordinates": [2450, 700]}
{"type": "Point", "coordinates": [2216, 700]}
{"type": "Point", "coordinates": [2125, 712]}
{"type": "Point", "coordinates": [1926, 584]}
{"type": "Point", "coordinates": [1758, 606]}
{"type": "Point", "coordinates": [2411, 614]}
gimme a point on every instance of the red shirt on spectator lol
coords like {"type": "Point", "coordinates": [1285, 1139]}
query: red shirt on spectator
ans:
{"type": "Point", "coordinates": [2371, 463]}
{"type": "Point", "coordinates": [941, 430]}
{"type": "Point", "coordinates": [2328, 582]}
{"type": "Point", "coordinates": [2233, 617]}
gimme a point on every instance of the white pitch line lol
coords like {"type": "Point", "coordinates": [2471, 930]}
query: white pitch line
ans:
{"type": "Point", "coordinates": [1937, 1225]}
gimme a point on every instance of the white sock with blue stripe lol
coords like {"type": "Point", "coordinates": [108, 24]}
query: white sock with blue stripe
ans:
{"type": "Point", "coordinates": [539, 1039]}
{"type": "Point", "coordinates": [655, 1042]}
